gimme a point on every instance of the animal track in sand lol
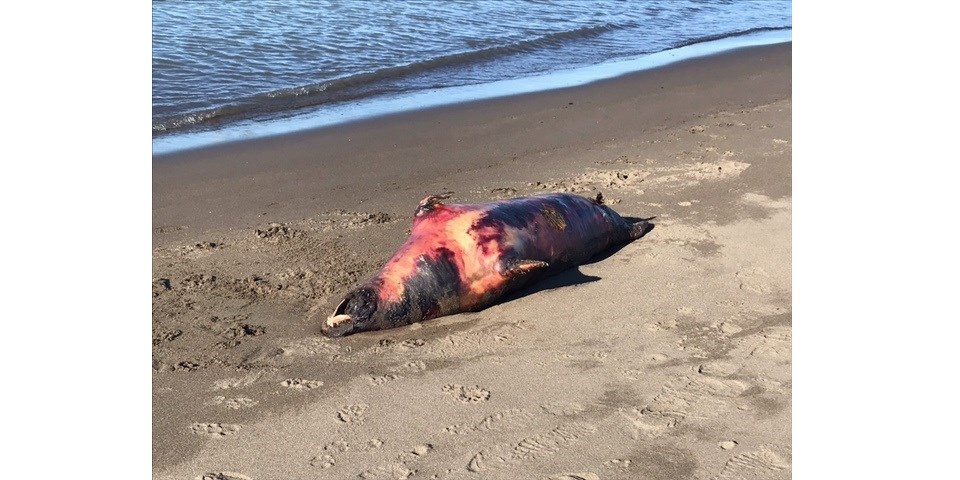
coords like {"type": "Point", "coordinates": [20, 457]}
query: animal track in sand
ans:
{"type": "Point", "coordinates": [323, 461]}
{"type": "Point", "coordinates": [762, 463]}
{"type": "Point", "coordinates": [228, 383]}
{"type": "Point", "coordinates": [198, 249]}
{"type": "Point", "coordinates": [378, 380]}
{"type": "Point", "coordinates": [342, 219]}
{"type": "Point", "coordinates": [411, 344]}
{"type": "Point", "coordinates": [352, 413]}
{"type": "Point", "coordinates": [513, 418]}
{"type": "Point", "coordinates": [467, 394]}
{"type": "Point", "coordinates": [215, 429]}
{"type": "Point", "coordinates": [414, 366]}
{"type": "Point", "coordinates": [372, 444]}
{"type": "Point", "coordinates": [337, 446]}
{"type": "Point", "coordinates": [621, 464]}
{"type": "Point", "coordinates": [301, 384]}
{"type": "Point", "coordinates": [277, 233]}
{"type": "Point", "coordinates": [531, 448]}
{"type": "Point", "coordinates": [233, 403]}
{"type": "Point", "coordinates": [223, 476]}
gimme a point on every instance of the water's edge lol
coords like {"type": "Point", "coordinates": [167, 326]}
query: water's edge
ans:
{"type": "Point", "coordinates": [379, 106]}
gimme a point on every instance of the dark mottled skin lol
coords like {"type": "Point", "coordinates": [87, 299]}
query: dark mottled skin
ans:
{"type": "Point", "coordinates": [466, 257]}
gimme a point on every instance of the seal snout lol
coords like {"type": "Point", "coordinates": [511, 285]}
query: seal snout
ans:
{"type": "Point", "coordinates": [355, 313]}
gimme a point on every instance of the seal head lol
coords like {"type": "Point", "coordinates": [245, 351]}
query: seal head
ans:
{"type": "Point", "coordinates": [356, 313]}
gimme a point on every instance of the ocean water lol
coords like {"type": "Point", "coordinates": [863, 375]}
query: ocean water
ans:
{"type": "Point", "coordinates": [235, 64]}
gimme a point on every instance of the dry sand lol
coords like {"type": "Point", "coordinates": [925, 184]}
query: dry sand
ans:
{"type": "Point", "coordinates": [667, 358]}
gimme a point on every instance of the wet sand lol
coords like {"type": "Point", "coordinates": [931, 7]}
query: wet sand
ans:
{"type": "Point", "coordinates": [669, 357]}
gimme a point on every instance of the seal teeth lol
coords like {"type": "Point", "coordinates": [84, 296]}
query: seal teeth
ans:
{"type": "Point", "coordinates": [334, 320]}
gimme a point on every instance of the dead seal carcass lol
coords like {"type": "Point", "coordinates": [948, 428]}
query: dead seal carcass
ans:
{"type": "Point", "coordinates": [465, 257]}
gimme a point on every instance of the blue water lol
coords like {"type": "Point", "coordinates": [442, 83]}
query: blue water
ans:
{"type": "Point", "coordinates": [226, 70]}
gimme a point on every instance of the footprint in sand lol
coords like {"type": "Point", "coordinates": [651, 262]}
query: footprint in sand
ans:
{"type": "Point", "coordinates": [352, 413]}
{"type": "Point", "coordinates": [531, 448]}
{"type": "Point", "coordinates": [691, 398]}
{"type": "Point", "coordinates": [215, 429]}
{"type": "Point", "coordinates": [762, 463]}
{"type": "Point", "coordinates": [395, 471]}
{"type": "Point", "coordinates": [469, 395]}
{"type": "Point", "coordinates": [651, 422]}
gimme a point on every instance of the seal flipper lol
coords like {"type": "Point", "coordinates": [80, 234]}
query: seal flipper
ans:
{"type": "Point", "coordinates": [515, 268]}
{"type": "Point", "coordinates": [431, 202]}
{"type": "Point", "coordinates": [640, 229]}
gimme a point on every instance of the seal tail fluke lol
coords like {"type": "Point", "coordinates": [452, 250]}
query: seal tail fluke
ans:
{"type": "Point", "coordinates": [640, 229]}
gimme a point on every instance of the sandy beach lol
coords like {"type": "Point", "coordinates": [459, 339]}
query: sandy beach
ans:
{"type": "Point", "coordinates": [666, 358]}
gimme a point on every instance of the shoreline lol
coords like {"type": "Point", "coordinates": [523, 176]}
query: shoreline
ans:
{"type": "Point", "coordinates": [668, 358]}
{"type": "Point", "coordinates": [268, 169]}
{"type": "Point", "coordinates": [364, 109]}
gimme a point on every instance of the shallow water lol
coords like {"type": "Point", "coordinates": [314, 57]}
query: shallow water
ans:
{"type": "Point", "coordinates": [219, 61]}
